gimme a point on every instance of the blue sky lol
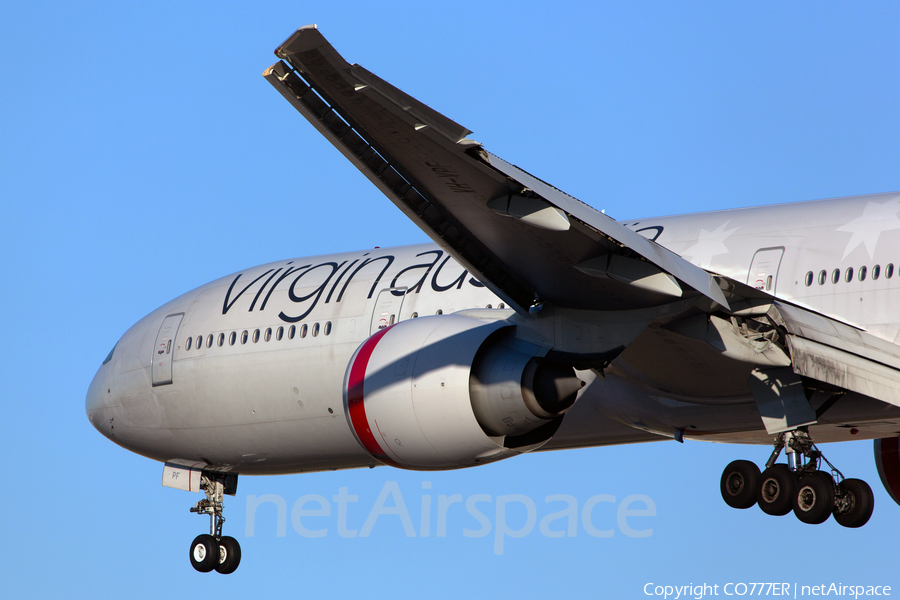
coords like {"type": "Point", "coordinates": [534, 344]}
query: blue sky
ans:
{"type": "Point", "coordinates": [143, 155]}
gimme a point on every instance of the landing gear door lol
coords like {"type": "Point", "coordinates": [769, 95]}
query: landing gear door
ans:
{"type": "Point", "coordinates": [763, 274]}
{"type": "Point", "coordinates": [387, 308]}
{"type": "Point", "coordinates": [164, 349]}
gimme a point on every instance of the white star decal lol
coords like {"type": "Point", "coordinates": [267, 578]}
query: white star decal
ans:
{"type": "Point", "coordinates": [875, 220]}
{"type": "Point", "coordinates": [710, 244]}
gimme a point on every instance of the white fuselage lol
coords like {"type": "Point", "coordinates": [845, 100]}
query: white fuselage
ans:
{"type": "Point", "coordinates": [256, 360]}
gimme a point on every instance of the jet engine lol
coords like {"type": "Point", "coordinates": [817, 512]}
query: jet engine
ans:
{"type": "Point", "coordinates": [453, 391]}
{"type": "Point", "coordinates": [887, 460]}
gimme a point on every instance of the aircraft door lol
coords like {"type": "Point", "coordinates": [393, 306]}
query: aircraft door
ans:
{"type": "Point", "coordinates": [164, 349]}
{"type": "Point", "coordinates": [387, 308]}
{"type": "Point", "coordinates": [763, 274]}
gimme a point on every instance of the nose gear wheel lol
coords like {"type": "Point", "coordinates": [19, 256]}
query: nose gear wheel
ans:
{"type": "Point", "coordinates": [213, 550]}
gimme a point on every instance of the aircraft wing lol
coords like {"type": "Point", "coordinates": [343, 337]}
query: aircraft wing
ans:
{"type": "Point", "coordinates": [528, 241]}
{"type": "Point", "coordinates": [524, 239]}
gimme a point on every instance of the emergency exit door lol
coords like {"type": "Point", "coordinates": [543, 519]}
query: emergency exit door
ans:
{"type": "Point", "coordinates": [763, 274]}
{"type": "Point", "coordinates": [164, 349]}
{"type": "Point", "coordinates": [387, 308]}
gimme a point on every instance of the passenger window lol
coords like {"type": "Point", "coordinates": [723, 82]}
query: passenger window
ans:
{"type": "Point", "coordinates": [245, 335]}
{"type": "Point", "coordinates": [187, 346]}
{"type": "Point", "coordinates": [809, 279]}
{"type": "Point", "coordinates": [889, 271]}
{"type": "Point", "coordinates": [232, 338]}
{"type": "Point", "coordinates": [199, 343]}
{"type": "Point", "coordinates": [415, 315]}
{"type": "Point", "coordinates": [489, 306]}
{"type": "Point", "coordinates": [255, 335]}
{"type": "Point", "coordinates": [328, 328]}
{"type": "Point", "coordinates": [439, 312]}
{"type": "Point", "coordinates": [823, 276]}
{"type": "Point", "coordinates": [269, 334]}
{"type": "Point", "coordinates": [501, 305]}
{"type": "Point", "coordinates": [835, 276]}
{"type": "Point", "coordinates": [221, 340]}
{"type": "Point", "coordinates": [209, 340]}
{"type": "Point", "coordinates": [279, 333]}
{"type": "Point", "coordinates": [862, 273]}
{"type": "Point", "coordinates": [876, 271]}
{"type": "Point", "coordinates": [315, 330]}
{"type": "Point", "coordinates": [848, 276]}
{"type": "Point", "coordinates": [292, 331]}
{"type": "Point", "coordinates": [303, 330]}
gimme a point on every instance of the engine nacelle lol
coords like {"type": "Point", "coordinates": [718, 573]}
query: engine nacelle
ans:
{"type": "Point", "coordinates": [453, 391]}
{"type": "Point", "coordinates": [887, 460]}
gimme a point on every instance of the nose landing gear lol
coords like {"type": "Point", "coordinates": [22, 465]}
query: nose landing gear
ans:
{"type": "Point", "coordinates": [800, 485]}
{"type": "Point", "coordinates": [213, 550]}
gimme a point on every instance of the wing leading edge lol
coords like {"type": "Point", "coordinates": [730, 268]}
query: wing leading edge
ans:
{"type": "Point", "coordinates": [527, 241]}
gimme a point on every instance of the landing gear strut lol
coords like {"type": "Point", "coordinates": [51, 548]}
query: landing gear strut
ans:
{"type": "Point", "coordinates": [213, 550]}
{"type": "Point", "coordinates": [800, 485]}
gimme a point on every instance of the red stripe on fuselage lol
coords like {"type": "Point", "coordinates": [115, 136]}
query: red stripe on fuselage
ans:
{"type": "Point", "coordinates": [356, 399]}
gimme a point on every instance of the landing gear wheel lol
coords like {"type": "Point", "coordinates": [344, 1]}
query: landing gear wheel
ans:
{"type": "Point", "coordinates": [814, 497]}
{"type": "Point", "coordinates": [229, 555]}
{"type": "Point", "coordinates": [739, 482]}
{"type": "Point", "coordinates": [853, 503]}
{"type": "Point", "coordinates": [204, 553]}
{"type": "Point", "coordinates": [775, 492]}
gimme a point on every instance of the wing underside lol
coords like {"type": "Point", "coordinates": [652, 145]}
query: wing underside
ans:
{"type": "Point", "coordinates": [524, 239]}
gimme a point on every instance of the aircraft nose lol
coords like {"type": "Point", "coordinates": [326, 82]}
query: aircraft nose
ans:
{"type": "Point", "coordinates": [96, 403]}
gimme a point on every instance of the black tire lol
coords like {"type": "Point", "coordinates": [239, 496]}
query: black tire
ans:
{"type": "Point", "coordinates": [814, 498]}
{"type": "Point", "coordinates": [775, 492]}
{"type": "Point", "coordinates": [229, 555]}
{"type": "Point", "coordinates": [204, 553]}
{"type": "Point", "coordinates": [854, 503]}
{"type": "Point", "coordinates": [739, 482]}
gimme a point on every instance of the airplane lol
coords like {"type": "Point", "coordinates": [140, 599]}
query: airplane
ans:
{"type": "Point", "coordinates": [533, 322]}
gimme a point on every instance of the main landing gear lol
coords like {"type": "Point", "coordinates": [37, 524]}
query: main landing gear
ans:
{"type": "Point", "coordinates": [799, 485]}
{"type": "Point", "coordinates": [213, 550]}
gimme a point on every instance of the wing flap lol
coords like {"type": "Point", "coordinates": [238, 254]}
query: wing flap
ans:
{"type": "Point", "coordinates": [845, 370]}
{"type": "Point", "coordinates": [836, 353]}
{"type": "Point", "coordinates": [801, 323]}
